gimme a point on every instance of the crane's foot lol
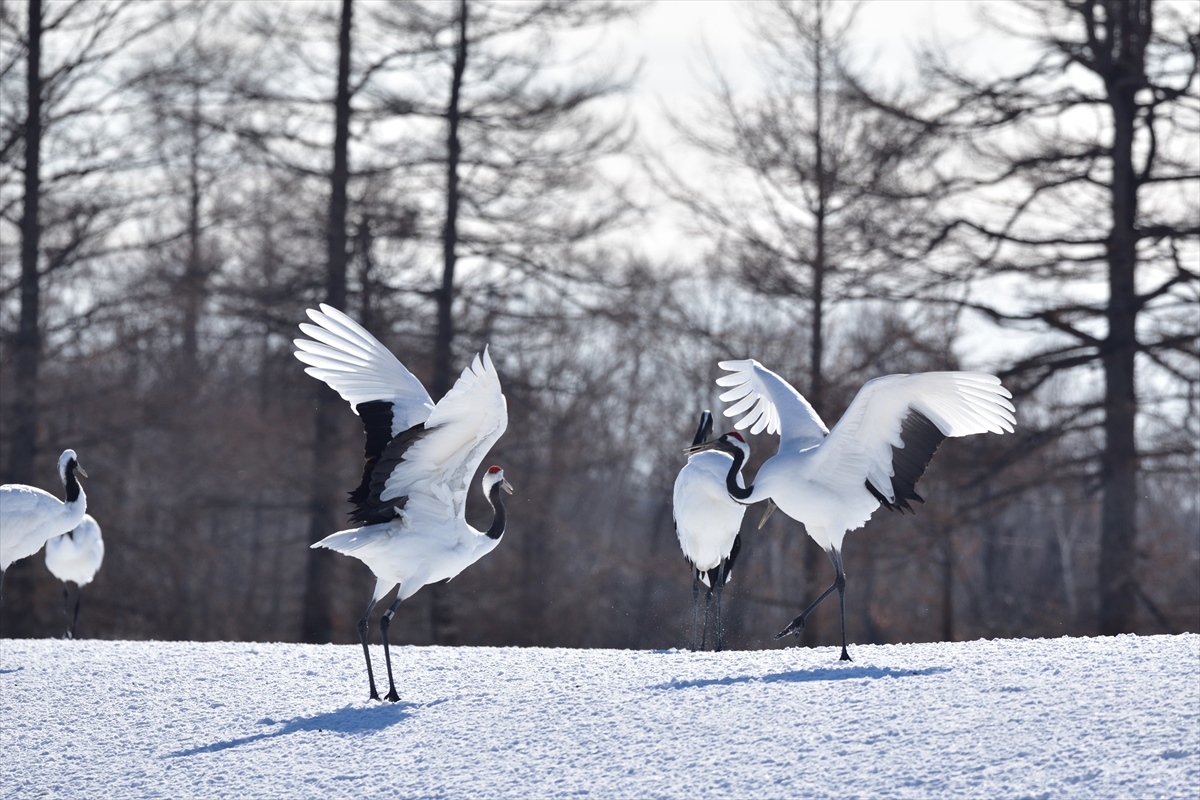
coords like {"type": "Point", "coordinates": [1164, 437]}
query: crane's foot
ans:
{"type": "Point", "coordinates": [797, 627]}
{"type": "Point", "coordinates": [392, 697]}
{"type": "Point", "coordinates": [845, 655]}
{"type": "Point", "coordinates": [374, 694]}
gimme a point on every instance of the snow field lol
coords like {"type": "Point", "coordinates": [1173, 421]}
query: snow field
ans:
{"type": "Point", "coordinates": [1104, 717]}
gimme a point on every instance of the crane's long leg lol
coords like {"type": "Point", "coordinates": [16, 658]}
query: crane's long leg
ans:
{"type": "Point", "coordinates": [75, 616]}
{"type": "Point", "coordinates": [839, 583]}
{"type": "Point", "coordinates": [363, 635]}
{"type": "Point", "coordinates": [695, 605]}
{"type": "Point", "coordinates": [384, 622]}
{"type": "Point", "coordinates": [720, 589]}
{"type": "Point", "coordinates": [704, 632]}
{"type": "Point", "coordinates": [66, 611]}
{"type": "Point", "coordinates": [797, 625]}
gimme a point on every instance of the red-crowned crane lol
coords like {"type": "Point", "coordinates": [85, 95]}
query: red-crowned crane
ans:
{"type": "Point", "coordinates": [420, 457]}
{"type": "Point", "coordinates": [30, 517]}
{"type": "Point", "coordinates": [75, 557]}
{"type": "Point", "coordinates": [707, 521]}
{"type": "Point", "coordinates": [832, 481]}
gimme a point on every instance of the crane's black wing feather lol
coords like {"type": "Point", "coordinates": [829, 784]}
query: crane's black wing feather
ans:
{"type": "Point", "coordinates": [921, 439]}
{"type": "Point", "coordinates": [383, 452]}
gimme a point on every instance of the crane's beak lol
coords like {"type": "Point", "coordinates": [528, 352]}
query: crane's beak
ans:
{"type": "Point", "coordinates": [80, 470]}
{"type": "Point", "coordinates": [699, 448]}
{"type": "Point", "coordinates": [766, 514]}
{"type": "Point", "coordinates": [505, 485]}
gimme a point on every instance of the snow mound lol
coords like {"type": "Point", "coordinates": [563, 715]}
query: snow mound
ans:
{"type": "Point", "coordinates": [1088, 718]}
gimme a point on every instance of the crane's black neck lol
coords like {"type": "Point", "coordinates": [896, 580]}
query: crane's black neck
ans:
{"type": "Point", "coordinates": [496, 497]}
{"type": "Point", "coordinates": [705, 429]}
{"type": "Point", "coordinates": [731, 482]}
{"type": "Point", "coordinates": [71, 483]}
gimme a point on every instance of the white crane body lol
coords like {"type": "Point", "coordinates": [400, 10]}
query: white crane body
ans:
{"type": "Point", "coordinates": [76, 556]}
{"type": "Point", "coordinates": [833, 480]}
{"type": "Point", "coordinates": [707, 520]}
{"type": "Point", "coordinates": [420, 458]}
{"type": "Point", "coordinates": [411, 552]}
{"type": "Point", "coordinates": [30, 517]}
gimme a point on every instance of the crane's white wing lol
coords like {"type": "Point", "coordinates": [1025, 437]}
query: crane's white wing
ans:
{"type": "Point", "coordinates": [889, 432]}
{"type": "Point", "coordinates": [769, 403]}
{"type": "Point", "coordinates": [344, 355]}
{"type": "Point", "coordinates": [29, 516]}
{"type": "Point", "coordinates": [459, 432]}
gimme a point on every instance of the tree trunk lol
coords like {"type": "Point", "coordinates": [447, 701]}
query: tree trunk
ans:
{"type": "Point", "coordinates": [443, 357]}
{"type": "Point", "coordinates": [442, 627]}
{"type": "Point", "coordinates": [318, 623]}
{"type": "Point", "coordinates": [1128, 33]}
{"type": "Point", "coordinates": [194, 279]}
{"type": "Point", "coordinates": [28, 342]}
{"type": "Point", "coordinates": [814, 560]}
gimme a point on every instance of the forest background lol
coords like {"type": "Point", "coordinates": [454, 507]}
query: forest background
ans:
{"type": "Point", "coordinates": [180, 180]}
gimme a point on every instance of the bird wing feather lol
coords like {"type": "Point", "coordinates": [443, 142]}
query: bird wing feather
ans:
{"type": "Point", "coordinates": [29, 516]}
{"type": "Point", "coordinates": [18, 501]}
{"type": "Point", "coordinates": [459, 432]}
{"type": "Point", "coordinates": [768, 402]}
{"type": "Point", "coordinates": [860, 445]}
{"type": "Point", "coordinates": [358, 367]}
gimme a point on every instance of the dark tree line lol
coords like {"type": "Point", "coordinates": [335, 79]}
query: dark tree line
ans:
{"type": "Point", "coordinates": [180, 181]}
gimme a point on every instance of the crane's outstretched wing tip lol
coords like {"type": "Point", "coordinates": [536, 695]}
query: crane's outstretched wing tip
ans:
{"type": "Point", "coordinates": [984, 381]}
{"type": "Point", "coordinates": [308, 347]}
{"type": "Point", "coordinates": [736, 366]}
{"type": "Point", "coordinates": [488, 363]}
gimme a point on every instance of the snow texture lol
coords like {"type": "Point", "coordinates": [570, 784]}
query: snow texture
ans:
{"type": "Point", "coordinates": [1062, 718]}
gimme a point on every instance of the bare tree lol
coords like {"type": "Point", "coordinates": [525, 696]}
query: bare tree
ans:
{"type": "Point", "coordinates": [60, 65]}
{"type": "Point", "coordinates": [318, 623]}
{"type": "Point", "coordinates": [1085, 171]}
{"type": "Point", "coordinates": [28, 339]}
{"type": "Point", "coordinates": [56, 230]}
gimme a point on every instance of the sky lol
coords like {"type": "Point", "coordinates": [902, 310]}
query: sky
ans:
{"type": "Point", "coordinates": [669, 39]}
{"type": "Point", "coordinates": [669, 34]}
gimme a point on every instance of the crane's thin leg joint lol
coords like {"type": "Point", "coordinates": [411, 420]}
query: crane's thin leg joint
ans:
{"type": "Point", "coordinates": [384, 622]}
{"type": "Point", "coordinates": [839, 583]}
{"type": "Point", "coordinates": [364, 635]}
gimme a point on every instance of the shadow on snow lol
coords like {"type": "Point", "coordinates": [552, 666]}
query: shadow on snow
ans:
{"type": "Point", "coordinates": [806, 675]}
{"type": "Point", "coordinates": [346, 720]}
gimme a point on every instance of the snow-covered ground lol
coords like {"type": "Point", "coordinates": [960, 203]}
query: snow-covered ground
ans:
{"type": "Point", "coordinates": [1106, 717]}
